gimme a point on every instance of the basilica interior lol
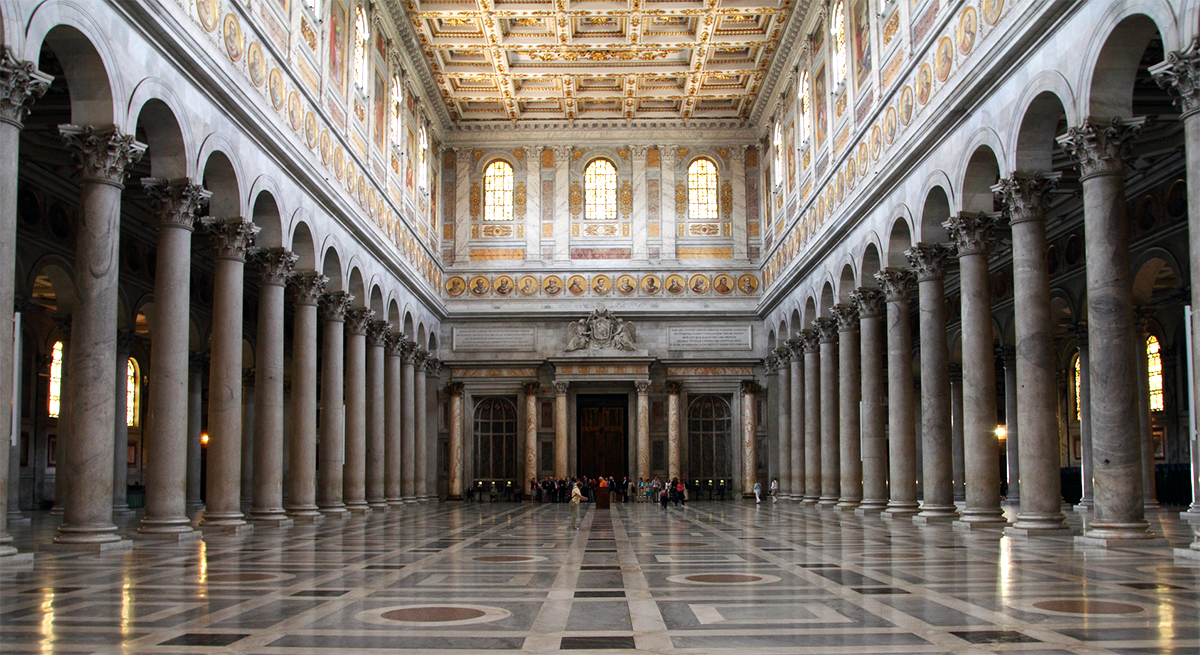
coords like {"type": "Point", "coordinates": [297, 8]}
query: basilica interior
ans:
{"type": "Point", "coordinates": [315, 301]}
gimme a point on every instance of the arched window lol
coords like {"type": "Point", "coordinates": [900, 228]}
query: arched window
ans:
{"type": "Point", "coordinates": [422, 161]}
{"type": "Point", "coordinates": [777, 142]}
{"type": "Point", "coordinates": [133, 393]}
{"type": "Point", "coordinates": [1078, 403]}
{"type": "Point", "coordinates": [55, 395]}
{"type": "Point", "coordinates": [702, 190]}
{"type": "Point", "coordinates": [839, 42]}
{"type": "Point", "coordinates": [397, 107]}
{"type": "Point", "coordinates": [495, 439]}
{"type": "Point", "coordinates": [1154, 369]}
{"type": "Point", "coordinates": [710, 425]}
{"type": "Point", "coordinates": [804, 91]}
{"type": "Point", "coordinates": [361, 36]}
{"type": "Point", "coordinates": [600, 191]}
{"type": "Point", "coordinates": [498, 191]}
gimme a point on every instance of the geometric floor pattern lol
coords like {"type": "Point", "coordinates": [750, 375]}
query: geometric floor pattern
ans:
{"type": "Point", "coordinates": [714, 577]}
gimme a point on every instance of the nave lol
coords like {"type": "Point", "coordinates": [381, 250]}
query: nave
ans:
{"type": "Point", "coordinates": [711, 577]}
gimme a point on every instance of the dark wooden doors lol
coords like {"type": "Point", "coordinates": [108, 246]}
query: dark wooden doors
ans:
{"type": "Point", "coordinates": [602, 426]}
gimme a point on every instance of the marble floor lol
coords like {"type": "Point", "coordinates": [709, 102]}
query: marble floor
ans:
{"type": "Point", "coordinates": [716, 577]}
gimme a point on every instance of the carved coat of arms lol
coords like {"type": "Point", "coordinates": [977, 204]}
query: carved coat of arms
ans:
{"type": "Point", "coordinates": [601, 331]}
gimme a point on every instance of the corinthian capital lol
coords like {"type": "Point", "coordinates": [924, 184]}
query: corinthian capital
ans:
{"type": "Point", "coordinates": [827, 330]}
{"type": "Point", "coordinates": [175, 202]}
{"type": "Point", "coordinates": [1026, 195]}
{"type": "Point", "coordinates": [307, 286]}
{"type": "Point", "coordinates": [1179, 74]}
{"type": "Point", "coordinates": [895, 282]}
{"type": "Point", "coordinates": [20, 84]}
{"type": "Point", "coordinates": [971, 232]}
{"type": "Point", "coordinates": [846, 315]}
{"type": "Point", "coordinates": [929, 260]}
{"type": "Point", "coordinates": [231, 238]}
{"type": "Point", "coordinates": [810, 340]}
{"type": "Point", "coordinates": [870, 301]}
{"type": "Point", "coordinates": [377, 333]}
{"type": "Point", "coordinates": [103, 155]}
{"type": "Point", "coordinates": [1101, 148]}
{"type": "Point", "coordinates": [275, 265]}
{"type": "Point", "coordinates": [358, 320]}
{"type": "Point", "coordinates": [334, 305]}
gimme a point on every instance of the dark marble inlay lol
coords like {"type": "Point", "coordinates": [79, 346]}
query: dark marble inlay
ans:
{"type": "Point", "coordinates": [322, 593]}
{"type": "Point", "coordinates": [390, 642]}
{"type": "Point", "coordinates": [499, 559]}
{"type": "Point", "coordinates": [214, 640]}
{"type": "Point", "coordinates": [1154, 586]}
{"type": "Point", "coordinates": [877, 591]}
{"type": "Point", "coordinates": [597, 643]}
{"type": "Point", "coordinates": [683, 544]}
{"type": "Point", "coordinates": [52, 590]}
{"type": "Point", "coordinates": [433, 614]}
{"type": "Point", "coordinates": [1088, 606]}
{"type": "Point", "coordinates": [724, 578]}
{"type": "Point", "coordinates": [599, 567]}
{"type": "Point", "coordinates": [599, 594]}
{"type": "Point", "coordinates": [996, 637]}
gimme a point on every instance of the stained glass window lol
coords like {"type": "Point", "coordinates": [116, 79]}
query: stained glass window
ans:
{"type": "Point", "coordinates": [804, 91]}
{"type": "Point", "coordinates": [56, 354]}
{"type": "Point", "coordinates": [397, 107]}
{"type": "Point", "coordinates": [1154, 369]}
{"type": "Point", "coordinates": [498, 192]}
{"type": "Point", "coordinates": [839, 42]}
{"type": "Point", "coordinates": [1078, 405]}
{"type": "Point", "coordinates": [131, 393]}
{"type": "Point", "coordinates": [423, 168]}
{"type": "Point", "coordinates": [600, 191]}
{"type": "Point", "coordinates": [361, 36]}
{"type": "Point", "coordinates": [702, 190]}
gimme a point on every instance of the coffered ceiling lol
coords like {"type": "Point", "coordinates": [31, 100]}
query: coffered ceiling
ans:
{"type": "Point", "coordinates": [528, 60]}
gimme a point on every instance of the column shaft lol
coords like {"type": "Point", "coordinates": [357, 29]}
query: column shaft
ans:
{"type": "Point", "coordinates": [456, 440]}
{"type": "Point", "coordinates": [799, 423]}
{"type": "Point", "coordinates": [376, 407]}
{"type": "Point", "coordinates": [812, 417]}
{"type": "Point", "coordinates": [393, 450]}
{"type": "Point", "coordinates": [831, 468]}
{"type": "Point", "coordinates": [1145, 418]}
{"type": "Point", "coordinates": [674, 466]}
{"type": "Point", "coordinates": [354, 472]}
{"type": "Point", "coordinates": [902, 443]}
{"type": "Point", "coordinates": [420, 430]}
{"type": "Point", "coordinates": [749, 440]}
{"type": "Point", "coordinates": [408, 422]}
{"type": "Point", "coordinates": [195, 429]}
{"type": "Point", "coordinates": [302, 447]}
{"type": "Point", "coordinates": [1012, 442]}
{"type": "Point", "coordinates": [560, 430]}
{"type": "Point", "coordinates": [1084, 402]}
{"type": "Point", "coordinates": [956, 432]}
{"type": "Point", "coordinates": [275, 267]}
{"type": "Point", "coordinates": [783, 398]}
{"type": "Point", "coordinates": [643, 428]}
{"type": "Point", "coordinates": [849, 395]}
{"type": "Point", "coordinates": [531, 432]}
{"type": "Point", "coordinates": [871, 311]}
{"type": "Point", "coordinates": [120, 459]}
{"type": "Point", "coordinates": [331, 450]}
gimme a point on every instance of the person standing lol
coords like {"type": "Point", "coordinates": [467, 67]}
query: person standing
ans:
{"type": "Point", "coordinates": [681, 490]}
{"type": "Point", "coordinates": [576, 496]}
{"type": "Point", "coordinates": [757, 492]}
{"type": "Point", "coordinates": [775, 490]}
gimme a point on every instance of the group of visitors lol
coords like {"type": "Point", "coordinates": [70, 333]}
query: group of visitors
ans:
{"type": "Point", "coordinates": [558, 490]}
{"type": "Point", "coordinates": [657, 491]}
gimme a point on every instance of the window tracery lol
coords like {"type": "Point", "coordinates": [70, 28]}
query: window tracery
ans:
{"type": "Point", "coordinates": [600, 191]}
{"type": "Point", "coordinates": [498, 191]}
{"type": "Point", "coordinates": [702, 190]}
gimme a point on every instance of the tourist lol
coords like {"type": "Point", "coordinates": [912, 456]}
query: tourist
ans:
{"type": "Point", "coordinates": [576, 496]}
{"type": "Point", "coordinates": [774, 490]}
{"type": "Point", "coordinates": [757, 492]}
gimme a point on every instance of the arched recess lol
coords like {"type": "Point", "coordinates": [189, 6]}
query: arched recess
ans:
{"type": "Point", "coordinates": [302, 246]}
{"type": "Point", "coordinates": [827, 300]}
{"type": "Point", "coordinates": [421, 336]}
{"type": "Point", "coordinates": [1157, 279]}
{"type": "Point", "coordinates": [870, 266]}
{"type": "Point", "coordinates": [846, 283]}
{"type": "Point", "coordinates": [771, 341]}
{"type": "Point", "coordinates": [266, 216]}
{"type": "Point", "coordinates": [433, 339]}
{"type": "Point", "coordinates": [331, 267]}
{"type": "Point", "coordinates": [982, 173]}
{"type": "Point", "coordinates": [376, 303]}
{"type": "Point", "coordinates": [1115, 69]}
{"type": "Point", "coordinates": [899, 240]}
{"type": "Point", "coordinates": [393, 315]}
{"type": "Point", "coordinates": [1045, 119]}
{"type": "Point", "coordinates": [166, 152]}
{"type": "Point", "coordinates": [78, 66]}
{"type": "Point", "coordinates": [934, 213]}
{"type": "Point", "coordinates": [52, 286]}
{"type": "Point", "coordinates": [810, 312]}
{"type": "Point", "coordinates": [356, 288]}
{"type": "Point", "coordinates": [796, 323]}
{"type": "Point", "coordinates": [220, 178]}
{"type": "Point", "coordinates": [408, 328]}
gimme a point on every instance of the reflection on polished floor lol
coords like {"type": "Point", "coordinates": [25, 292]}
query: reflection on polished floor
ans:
{"type": "Point", "coordinates": [719, 577]}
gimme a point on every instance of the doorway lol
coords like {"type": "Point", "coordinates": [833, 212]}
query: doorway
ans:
{"type": "Point", "coordinates": [603, 428]}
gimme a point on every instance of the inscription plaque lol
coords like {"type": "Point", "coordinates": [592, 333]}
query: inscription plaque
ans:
{"type": "Point", "coordinates": [710, 337]}
{"type": "Point", "coordinates": [484, 339]}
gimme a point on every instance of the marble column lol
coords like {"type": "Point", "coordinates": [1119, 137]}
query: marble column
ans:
{"type": "Point", "coordinates": [120, 459]}
{"type": "Point", "coordinates": [749, 442]}
{"type": "Point", "coordinates": [275, 266]}
{"type": "Point", "coordinates": [929, 264]}
{"type": "Point", "coordinates": [331, 449]}
{"type": "Point", "coordinates": [956, 432]}
{"type": "Point", "coordinates": [902, 444]}
{"type": "Point", "coordinates": [643, 427]}
{"type": "Point", "coordinates": [232, 238]}
{"type": "Point", "coordinates": [781, 363]}
{"type": "Point", "coordinates": [21, 84]}
{"type": "Point", "coordinates": [737, 182]}
{"type": "Point", "coordinates": [408, 421]}
{"type": "Point", "coordinates": [562, 207]}
{"type": "Point", "coordinates": [668, 215]}
{"type": "Point", "coordinates": [420, 429]}
{"type": "Point", "coordinates": [812, 416]}
{"type": "Point", "coordinates": [102, 158]}
{"type": "Point", "coordinates": [375, 451]}
{"type": "Point", "coordinates": [247, 483]}
{"type": "Point", "coordinates": [971, 234]}
{"type": "Point", "coordinates": [831, 467]}
{"type": "Point", "coordinates": [1102, 150]}
{"type": "Point", "coordinates": [1084, 402]}
{"type": "Point", "coordinates": [560, 429]}
{"type": "Point", "coordinates": [354, 471]}
{"type": "Point", "coordinates": [799, 423]}
{"type": "Point", "coordinates": [455, 390]}
{"type": "Point", "coordinates": [640, 219]}
{"type": "Point", "coordinates": [1012, 443]}
{"type": "Point", "coordinates": [531, 433]}
{"type": "Point", "coordinates": [1141, 321]}
{"type": "Point", "coordinates": [168, 438]}
{"type": "Point", "coordinates": [393, 449]}
{"type": "Point", "coordinates": [1027, 198]}
{"type": "Point", "coordinates": [533, 204]}
{"type": "Point", "coordinates": [462, 204]}
{"type": "Point", "coordinates": [307, 287]}
{"type": "Point", "coordinates": [195, 446]}
{"type": "Point", "coordinates": [674, 465]}
{"type": "Point", "coordinates": [872, 342]}
{"type": "Point", "coordinates": [849, 395]}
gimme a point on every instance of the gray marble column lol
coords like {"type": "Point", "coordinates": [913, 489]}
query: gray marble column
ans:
{"type": "Point", "coordinates": [168, 436]}
{"type": "Point", "coordinates": [831, 467]}
{"type": "Point", "coordinates": [393, 448]}
{"type": "Point", "coordinates": [929, 264]}
{"type": "Point", "coordinates": [455, 390]}
{"type": "Point", "coordinates": [668, 214]}
{"type": "Point", "coordinates": [275, 266]}
{"type": "Point", "coordinates": [737, 169]}
{"type": "Point", "coordinates": [674, 466]}
{"type": "Point", "coordinates": [1141, 321]}
{"type": "Point", "coordinates": [971, 234]}
{"type": "Point", "coordinates": [781, 364]}
{"type": "Point", "coordinates": [643, 427]}
{"type": "Point", "coordinates": [849, 395]}
{"type": "Point", "coordinates": [420, 429]}
{"type": "Point", "coordinates": [354, 471]}
{"type": "Point", "coordinates": [247, 484]}
{"type": "Point", "coordinates": [1027, 198]}
{"type": "Point", "coordinates": [560, 429]}
{"type": "Point", "coordinates": [872, 342]}
{"type": "Point", "coordinates": [21, 84]}
{"type": "Point", "coordinates": [640, 219]}
{"type": "Point", "coordinates": [232, 238]}
{"type": "Point", "coordinates": [331, 448]}
{"type": "Point", "coordinates": [376, 420]}
{"type": "Point", "coordinates": [812, 415]}
{"type": "Point", "coordinates": [902, 443]}
{"type": "Point", "coordinates": [102, 158]}
{"type": "Point", "coordinates": [307, 287]}
{"type": "Point", "coordinates": [956, 432]}
{"type": "Point", "coordinates": [195, 446]}
{"type": "Point", "coordinates": [1012, 443]}
{"type": "Point", "coordinates": [433, 380]}
{"type": "Point", "coordinates": [120, 459]}
{"type": "Point", "coordinates": [1102, 150]}
{"type": "Point", "coordinates": [562, 212]}
{"type": "Point", "coordinates": [408, 421]}
{"type": "Point", "coordinates": [531, 434]}
{"type": "Point", "coordinates": [750, 388]}
{"type": "Point", "coordinates": [1086, 501]}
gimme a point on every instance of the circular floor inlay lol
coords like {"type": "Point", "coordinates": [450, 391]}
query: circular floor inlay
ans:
{"type": "Point", "coordinates": [441, 615]}
{"type": "Point", "coordinates": [724, 579]}
{"type": "Point", "coordinates": [503, 559]}
{"type": "Point", "coordinates": [1087, 606]}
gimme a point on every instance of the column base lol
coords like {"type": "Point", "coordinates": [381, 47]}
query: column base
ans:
{"type": "Point", "coordinates": [362, 509]}
{"type": "Point", "coordinates": [870, 508]}
{"type": "Point", "coordinates": [1151, 504]}
{"type": "Point", "coordinates": [829, 501]}
{"type": "Point", "coordinates": [1038, 523]}
{"type": "Point", "coordinates": [1191, 514]}
{"type": "Point", "coordinates": [17, 518]}
{"type": "Point", "coordinates": [847, 505]}
{"type": "Point", "coordinates": [810, 500]}
{"type": "Point", "coordinates": [1010, 502]}
{"type": "Point", "coordinates": [1085, 541]}
{"type": "Point", "coordinates": [267, 515]}
{"type": "Point", "coordinates": [122, 510]}
{"type": "Point", "coordinates": [898, 515]}
{"type": "Point", "coordinates": [1186, 553]}
{"type": "Point", "coordinates": [901, 508]}
{"type": "Point", "coordinates": [1026, 533]}
{"type": "Point", "coordinates": [1109, 535]}
{"type": "Point", "coordinates": [410, 500]}
{"type": "Point", "coordinates": [11, 557]}
{"type": "Point", "coordinates": [227, 528]}
{"type": "Point", "coordinates": [979, 522]}
{"type": "Point", "coordinates": [115, 545]}
{"type": "Point", "coordinates": [183, 536]}
{"type": "Point", "coordinates": [394, 502]}
{"type": "Point", "coordinates": [454, 498]}
{"type": "Point", "coordinates": [307, 518]}
{"type": "Point", "coordinates": [424, 499]}
{"type": "Point", "coordinates": [193, 507]}
{"type": "Point", "coordinates": [57, 510]}
{"type": "Point", "coordinates": [934, 519]}
{"type": "Point", "coordinates": [1087, 505]}
{"type": "Point", "coordinates": [280, 521]}
{"type": "Point", "coordinates": [335, 513]}
{"type": "Point", "coordinates": [378, 505]}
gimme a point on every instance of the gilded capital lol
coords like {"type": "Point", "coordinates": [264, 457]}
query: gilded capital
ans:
{"type": "Point", "coordinates": [560, 387]}
{"type": "Point", "coordinates": [642, 386]}
{"type": "Point", "coordinates": [674, 387]}
{"type": "Point", "coordinates": [531, 388]}
{"type": "Point", "coordinates": [455, 389]}
{"type": "Point", "coordinates": [1101, 148]}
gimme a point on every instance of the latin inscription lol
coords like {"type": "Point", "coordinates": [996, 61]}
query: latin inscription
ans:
{"type": "Point", "coordinates": [710, 337]}
{"type": "Point", "coordinates": [482, 339]}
